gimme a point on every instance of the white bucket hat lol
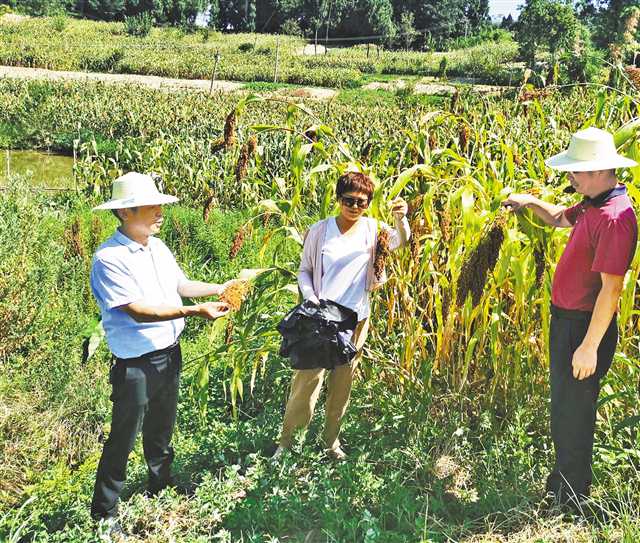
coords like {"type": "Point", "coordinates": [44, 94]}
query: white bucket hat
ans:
{"type": "Point", "coordinates": [135, 189]}
{"type": "Point", "coordinates": [590, 150]}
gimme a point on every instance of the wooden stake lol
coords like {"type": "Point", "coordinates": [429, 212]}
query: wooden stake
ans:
{"type": "Point", "coordinates": [215, 71]}
{"type": "Point", "coordinates": [275, 72]}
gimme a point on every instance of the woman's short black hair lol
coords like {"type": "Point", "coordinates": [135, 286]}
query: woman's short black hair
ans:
{"type": "Point", "coordinates": [355, 182]}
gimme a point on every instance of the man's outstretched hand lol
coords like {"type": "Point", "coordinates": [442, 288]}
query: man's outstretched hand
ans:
{"type": "Point", "coordinates": [516, 202]}
{"type": "Point", "coordinates": [212, 310]}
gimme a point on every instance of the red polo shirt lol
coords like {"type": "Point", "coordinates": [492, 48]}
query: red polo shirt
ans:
{"type": "Point", "coordinates": [603, 240]}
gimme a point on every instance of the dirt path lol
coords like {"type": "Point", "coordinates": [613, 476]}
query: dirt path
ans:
{"type": "Point", "coordinates": [155, 82]}
{"type": "Point", "coordinates": [426, 85]}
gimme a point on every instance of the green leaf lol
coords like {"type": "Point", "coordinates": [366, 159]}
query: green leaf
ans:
{"type": "Point", "coordinates": [267, 127]}
{"type": "Point", "coordinates": [248, 274]}
{"type": "Point", "coordinates": [202, 381]}
{"type": "Point", "coordinates": [626, 132]}
{"type": "Point", "coordinates": [291, 287]}
{"type": "Point", "coordinates": [92, 343]}
{"type": "Point", "coordinates": [217, 329]}
{"type": "Point", "coordinates": [405, 177]}
{"type": "Point", "coordinates": [629, 422]}
{"type": "Point", "coordinates": [269, 205]}
{"type": "Point", "coordinates": [293, 233]}
{"type": "Point", "coordinates": [599, 108]}
{"type": "Point", "coordinates": [320, 168]}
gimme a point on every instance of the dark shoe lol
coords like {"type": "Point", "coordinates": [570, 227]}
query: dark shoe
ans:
{"type": "Point", "coordinates": [153, 489]}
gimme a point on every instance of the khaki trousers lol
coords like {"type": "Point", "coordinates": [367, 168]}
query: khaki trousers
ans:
{"type": "Point", "coordinates": [305, 389]}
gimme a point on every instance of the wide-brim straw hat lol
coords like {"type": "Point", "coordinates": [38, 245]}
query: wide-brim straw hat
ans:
{"type": "Point", "coordinates": [590, 150]}
{"type": "Point", "coordinates": [135, 189]}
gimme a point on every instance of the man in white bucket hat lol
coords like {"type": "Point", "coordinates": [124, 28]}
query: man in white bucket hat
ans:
{"type": "Point", "coordinates": [139, 288]}
{"type": "Point", "coordinates": [586, 288]}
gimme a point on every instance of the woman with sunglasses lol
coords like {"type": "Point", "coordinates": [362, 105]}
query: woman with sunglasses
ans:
{"type": "Point", "coordinates": [337, 265]}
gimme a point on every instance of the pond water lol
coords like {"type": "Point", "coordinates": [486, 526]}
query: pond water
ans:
{"type": "Point", "coordinates": [45, 169]}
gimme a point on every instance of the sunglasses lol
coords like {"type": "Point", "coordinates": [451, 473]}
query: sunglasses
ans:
{"type": "Point", "coordinates": [362, 203]}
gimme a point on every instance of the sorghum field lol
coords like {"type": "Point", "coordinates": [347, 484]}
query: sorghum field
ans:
{"type": "Point", "coordinates": [447, 433]}
{"type": "Point", "coordinates": [68, 44]}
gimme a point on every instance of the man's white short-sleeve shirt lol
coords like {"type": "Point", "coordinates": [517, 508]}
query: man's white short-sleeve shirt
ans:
{"type": "Point", "coordinates": [124, 271]}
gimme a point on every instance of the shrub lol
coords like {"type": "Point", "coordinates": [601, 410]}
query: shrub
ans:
{"type": "Point", "coordinates": [139, 25]}
{"type": "Point", "coordinates": [585, 67]}
{"type": "Point", "coordinates": [102, 61]}
{"type": "Point", "coordinates": [59, 22]}
{"type": "Point", "coordinates": [442, 69]}
{"type": "Point", "coordinates": [245, 47]}
{"type": "Point", "coordinates": [291, 27]}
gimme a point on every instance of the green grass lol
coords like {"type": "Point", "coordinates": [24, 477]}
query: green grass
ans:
{"type": "Point", "coordinates": [386, 78]}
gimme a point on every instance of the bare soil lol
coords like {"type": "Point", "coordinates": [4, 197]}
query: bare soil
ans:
{"type": "Point", "coordinates": [155, 82]}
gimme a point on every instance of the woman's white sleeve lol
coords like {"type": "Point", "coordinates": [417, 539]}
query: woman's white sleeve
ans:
{"type": "Point", "coordinates": [399, 235]}
{"type": "Point", "coordinates": [305, 282]}
{"type": "Point", "coordinates": [305, 272]}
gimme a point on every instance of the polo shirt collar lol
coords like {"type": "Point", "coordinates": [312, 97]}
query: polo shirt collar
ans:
{"type": "Point", "coordinates": [130, 244]}
{"type": "Point", "coordinates": [604, 197]}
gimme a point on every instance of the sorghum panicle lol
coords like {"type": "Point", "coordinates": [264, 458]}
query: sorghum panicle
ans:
{"type": "Point", "coordinates": [238, 241]}
{"type": "Point", "coordinates": [382, 251]}
{"type": "Point", "coordinates": [480, 263]}
{"type": "Point", "coordinates": [230, 129]}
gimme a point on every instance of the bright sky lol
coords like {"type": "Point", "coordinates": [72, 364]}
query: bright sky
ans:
{"type": "Point", "coordinates": [504, 7]}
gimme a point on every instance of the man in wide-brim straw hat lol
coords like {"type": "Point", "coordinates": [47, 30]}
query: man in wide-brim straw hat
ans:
{"type": "Point", "coordinates": [139, 288]}
{"type": "Point", "coordinates": [586, 288]}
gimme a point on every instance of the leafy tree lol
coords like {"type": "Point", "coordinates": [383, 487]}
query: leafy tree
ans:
{"type": "Point", "coordinates": [214, 14]}
{"type": "Point", "coordinates": [550, 24]}
{"type": "Point", "coordinates": [231, 14]}
{"type": "Point", "coordinates": [477, 14]}
{"type": "Point", "coordinates": [407, 29]}
{"type": "Point", "coordinates": [42, 7]}
{"type": "Point", "coordinates": [291, 28]}
{"type": "Point", "coordinates": [109, 9]}
{"type": "Point", "coordinates": [381, 18]}
{"type": "Point", "coordinates": [507, 22]}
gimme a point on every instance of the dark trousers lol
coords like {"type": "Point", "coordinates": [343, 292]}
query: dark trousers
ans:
{"type": "Point", "coordinates": [574, 402]}
{"type": "Point", "coordinates": [145, 396]}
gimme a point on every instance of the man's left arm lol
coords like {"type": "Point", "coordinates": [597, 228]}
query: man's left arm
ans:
{"type": "Point", "coordinates": [200, 289]}
{"type": "Point", "coordinates": [585, 358]}
{"type": "Point", "coordinates": [193, 289]}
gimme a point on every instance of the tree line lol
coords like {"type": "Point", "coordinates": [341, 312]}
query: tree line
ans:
{"type": "Point", "coordinates": [390, 21]}
{"type": "Point", "coordinates": [578, 37]}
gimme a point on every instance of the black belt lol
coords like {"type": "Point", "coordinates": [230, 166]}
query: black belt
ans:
{"type": "Point", "coordinates": [571, 314]}
{"type": "Point", "coordinates": [144, 356]}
